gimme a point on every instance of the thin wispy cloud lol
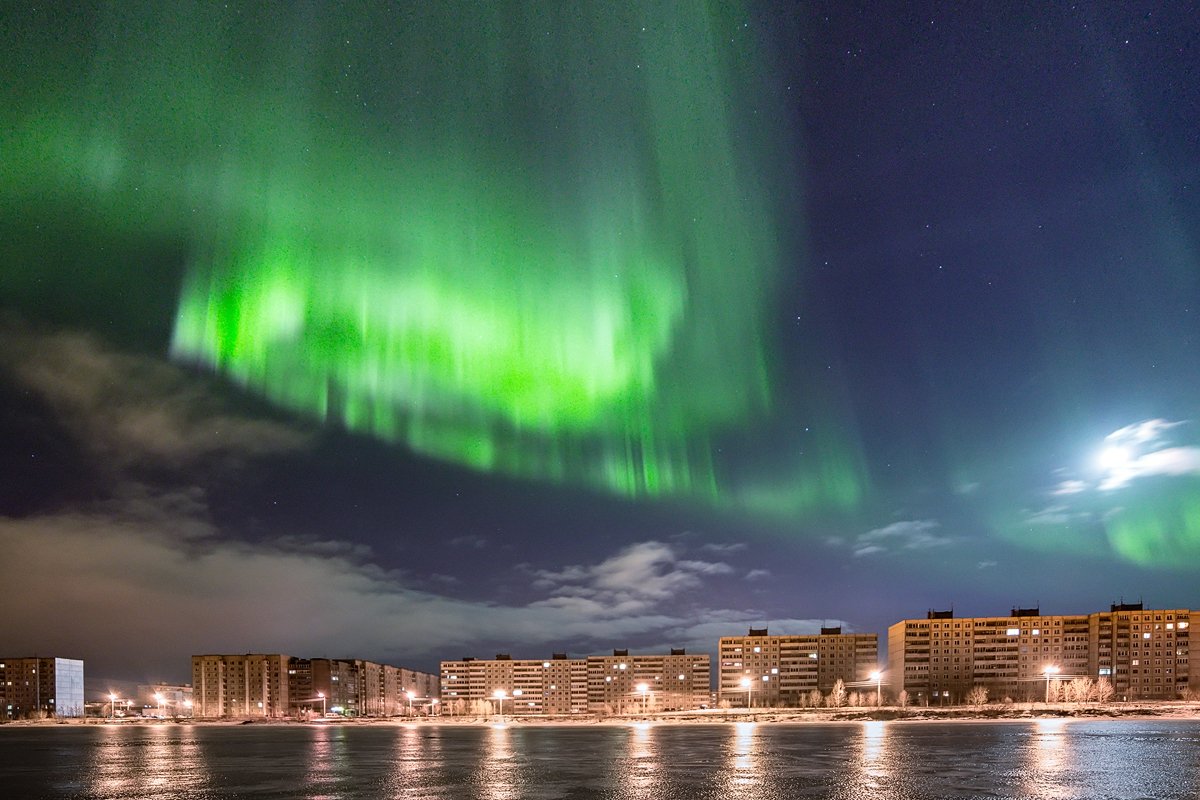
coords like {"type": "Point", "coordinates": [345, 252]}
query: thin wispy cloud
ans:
{"type": "Point", "coordinates": [917, 534]}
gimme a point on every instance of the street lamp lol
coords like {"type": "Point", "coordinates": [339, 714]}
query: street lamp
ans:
{"type": "Point", "coordinates": [159, 698]}
{"type": "Point", "coordinates": [747, 684]}
{"type": "Point", "coordinates": [409, 696]}
{"type": "Point", "coordinates": [433, 704]}
{"type": "Point", "coordinates": [321, 696]}
{"type": "Point", "coordinates": [877, 676]}
{"type": "Point", "coordinates": [1048, 671]}
{"type": "Point", "coordinates": [112, 706]}
{"type": "Point", "coordinates": [188, 705]}
{"type": "Point", "coordinates": [642, 689]}
{"type": "Point", "coordinates": [500, 694]}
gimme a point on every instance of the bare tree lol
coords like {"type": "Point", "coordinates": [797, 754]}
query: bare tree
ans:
{"type": "Point", "coordinates": [902, 698]}
{"type": "Point", "coordinates": [854, 699]}
{"type": "Point", "coordinates": [837, 695]}
{"type": "Point", "coordinates": [1104, 690]}
{"type": "Point", "coordinates": [978, 696]}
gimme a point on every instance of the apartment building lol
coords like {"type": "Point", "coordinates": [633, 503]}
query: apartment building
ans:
{"type": "Point", "coordinates": [1025, 654]}
{"type": "Point", "coordinates": [624, 683]}
{"type": "Point", "coordinates": [616, 684]}
{"type": "Point", "coordinates": [765, 670]}
{"type": "Point", "coordinates": [240, 686]}
{"type": "Point", "coordinates": [355, 687]}
{"type": "Point", "coordinates": [557, 685]}
{"type": "Point", "coordinates": [41, 686]}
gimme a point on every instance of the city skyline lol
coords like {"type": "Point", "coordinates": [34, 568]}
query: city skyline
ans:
{"type": "Point", "coordinates": [401, 334]}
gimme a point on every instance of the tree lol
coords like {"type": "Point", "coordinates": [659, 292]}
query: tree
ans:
{"type": "Point", "coordinates": [902, 698]}
{"type": "Point", "coordinates": [815, 698]}
{"type": "Point", "coordinates": [978, 696]}
{"type": "Point", "coordinates": [854, 699]}
{"type": "Point", "coordinates": [837, 695]}
{"type": "Point", "coordinates": [1104, 690]}
{"type": "Point", "coordinates": [1078, 690]}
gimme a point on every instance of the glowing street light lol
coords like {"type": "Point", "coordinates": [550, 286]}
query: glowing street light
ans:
{"type": "Point", "coordinates": [409, 696]}
{"type": "Point", "coordinates": [112, 705]}
{"type": "Point", "coordinates": [188, 705]}
{"type": "Point", "coordinates": [643, 689]}
{"type": "Point", "coordinates": [877, 676]}
{"type": "Point", "coordinates": [321, 697]}
{"type": "Point", "coordinates": [500, 696]}
{"type": "Point", "coordinates": [159, 698]}
{"type": "Point", "coordinates": [433, 704]}
{"type": "Point", "coordinates": [1048, 671]}
{"type": "Point", "coordinates": [747, 684]}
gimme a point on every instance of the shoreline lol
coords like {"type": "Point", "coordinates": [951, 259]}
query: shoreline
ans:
{"type": "Point", "coordinates": [781, 716]}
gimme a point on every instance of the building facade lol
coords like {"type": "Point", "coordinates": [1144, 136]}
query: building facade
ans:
{"type": "Point", "coordinates": [625, 684]}
{"type": "Point", "coordinates": [616, 684]}
{"type": "Point", "coordinates": [1027, 655]}
{"type": "Point", "coordinates": [354, 687]}
{"type": "Point", "coordinates": [253, 685]}
{"type": "Point", "coordinates": [40, 686]}
{"type": "Point", "coordinates": [556, 686]}
{"type": "Point", "coordinates": [781, 670]}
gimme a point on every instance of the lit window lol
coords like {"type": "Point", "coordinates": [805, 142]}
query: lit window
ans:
{"type": "Point", "coordinates": [758, 649]}
{"type": "Point", "coordinates": [1013, 632]}
{"type": "Point", "coordinates": [1145, 636]}
{"type": "Point", "coordinates": [1036, 632]}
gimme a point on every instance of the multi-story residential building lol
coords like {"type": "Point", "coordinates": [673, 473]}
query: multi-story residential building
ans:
{"type": "Point", "coordinates": [41, 686]}
{"type": "Point", "coordinates": [620, 683]}
{"type": "Point", "coordinates": [557, 685]}
{"type": "Point", "coordinates": [240, 686]}
{"type": "Point", "coordinates": [1026, 654]}
{"type": "Point", "coordinates": [1144, 653]}
{"type": "Point", "coordinates": [624, 683]}
{"type": "Point", "coordinates": [166, 699]}
{"type": "Point", "coordinates": [354, 687]}
{"type": "Point", "coordinates": [781, 670]}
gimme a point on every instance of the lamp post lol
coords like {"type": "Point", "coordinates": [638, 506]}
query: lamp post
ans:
{"type": "Point", "coordinates": [188, 705]}
{"type": "Point", "coordinates": [642, 690]}
{"type": "Point", "coordinates": [409, 697]}
{"type": "Point", "coordinates": [500, 694]}
{"type": "Point", "coordinates": [877, 676]}
{"type": "Point", "coordinates": [433, 704]}
{"type": "Point", "coordinates": [747, 684]}
{"type": "Point", "coordinates": [159, 699]}
{"type": "Point", "coordinates": [112, 706]}
{"type": "Point", "coordinates": [321, 696]}
{"type": "Point", "coordinates": [1048, 671]}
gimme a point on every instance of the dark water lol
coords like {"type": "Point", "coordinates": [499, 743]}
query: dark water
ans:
{"type": "Point", "coordinates": [874, 760]}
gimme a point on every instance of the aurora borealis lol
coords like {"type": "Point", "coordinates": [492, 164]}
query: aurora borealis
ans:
{"type": "Point", "coordinates": [819, 311]}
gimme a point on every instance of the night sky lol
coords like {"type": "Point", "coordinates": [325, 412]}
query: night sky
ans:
{"type": "Point", "coordinates": [407, 333]}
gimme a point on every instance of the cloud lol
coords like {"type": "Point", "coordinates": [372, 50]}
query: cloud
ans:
{"type": "Point", "coordinates": [723, 548]}
{"type": "Point", "coordinates": [755, 574]}
{"type": "Point", "coordinates": [167, 584]}
{"type": "Point", "coordinates": [1069, 487]}
{"type": "Point", "coordinates": [1168, 461]}
{"type": "Point", "coordinates": [985, 564]}
{"type": "Point", "coordinates": [1143, 450]}
{"type": "Point", "coordinates": [916, 534]}
{"type": "Point", "coordinates": [132, 410]}
{"type": "Point", "coordinates": [638, 577]}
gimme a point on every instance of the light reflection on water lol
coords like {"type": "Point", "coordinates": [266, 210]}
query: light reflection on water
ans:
{"type": "Point", "coordinates": [1035, 760]}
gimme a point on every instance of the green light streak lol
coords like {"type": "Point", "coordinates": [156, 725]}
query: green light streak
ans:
{"type": "Point", "coordinates": [535, 239]}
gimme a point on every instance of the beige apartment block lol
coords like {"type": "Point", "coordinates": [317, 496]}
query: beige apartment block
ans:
{"type": "Point", "coordinates": [626, 684]}
{"type": "Point", "coordinates": [240, 686]}
{"type": "Point", "coordinates": [557, 685]}
{"type": "Point", "coordinates": [781, 670]}
{"type": "Point", "coordinates": [36, 687]}
{"type": "Point", "coordinates": [1028, 655]}
{"type": "Point", "coordinates": [616, 684]}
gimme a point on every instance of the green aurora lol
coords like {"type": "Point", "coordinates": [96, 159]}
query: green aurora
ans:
{"type": "Point", "coordinates": [543, 240]}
